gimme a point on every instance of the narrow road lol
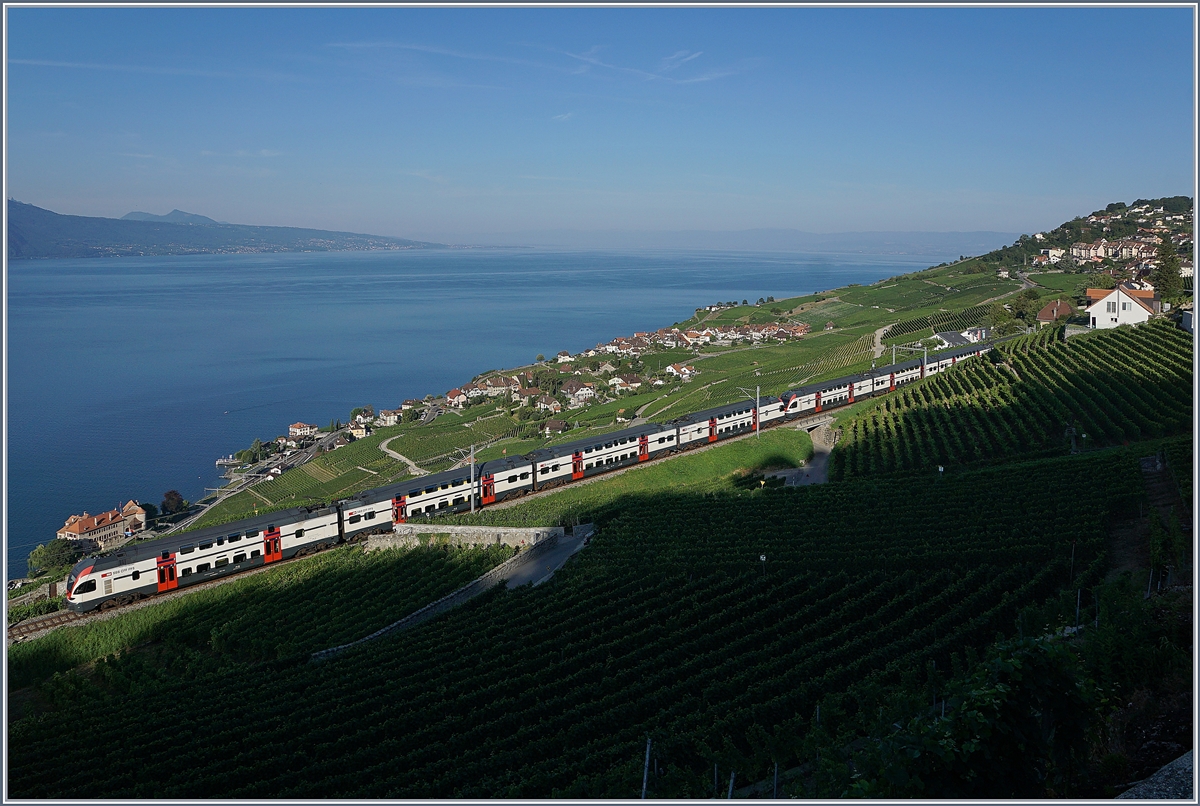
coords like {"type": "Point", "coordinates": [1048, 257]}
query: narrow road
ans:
{"type": "Point", "coordinates": [383, 446]}
{"type": "Point", "coordinates": [878, 348]}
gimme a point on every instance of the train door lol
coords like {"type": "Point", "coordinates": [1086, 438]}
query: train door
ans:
{"type": "Point", "coordinates": [643, 448]}
{"type": "Point", "coordinates": [166, 572]}
{"type": "Point", "coordinates": [818, 400]}
{"type": "Point", "coordinates": [754, 419]}
{"type": "Point", "coordinates": [712, 429]}
{"type": "Point", "coordinates": [577, 465]}
{"type": "Point", "coordinates": [851, 391]}
{"type": "Point", "coordinates": [953, 360]}
{"type": "Point", "coordinates": [399, 508]}
{"type": "Point", "coordinates": [891, 382]}
{"type": "Point", "coordinates": [272, 545]}
{"type": "Point", "coordinates": [922, 369]}
{"type": "Point", "coordinates": [487, 483]}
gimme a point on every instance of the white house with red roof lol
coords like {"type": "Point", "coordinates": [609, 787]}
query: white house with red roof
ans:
{"type": "Point", "coordinates": [1118, 307]}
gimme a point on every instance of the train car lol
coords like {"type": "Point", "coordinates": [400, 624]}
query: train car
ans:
{"type": "Point", "coordinates": [143, 569]}
{"type": "Point", "coordinates": [448, 491]}
{"type": "Point", "coordinates": [717, 423]}
{"type": "Point", "coordinates": [583, 458]}
{"type": "Point", "coordinates": [504, 478]}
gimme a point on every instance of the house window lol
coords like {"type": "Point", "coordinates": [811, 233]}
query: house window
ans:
{"type": "Point", "coordinates": [1124, 306]}
{"type": "Point", "coordinates": [1110, 307]}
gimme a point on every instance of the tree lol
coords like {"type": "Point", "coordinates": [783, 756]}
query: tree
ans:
{"type": "Point", "coordinates": [541, 357]}
{"type": "Point", "coordinates": [54, 554]}
{"type": "Point", "coordinates": [1165, 277]}
{"type": "Point", "coordinates": [151, 511]}
{"type": "Point", "coordinates": [173, 502]}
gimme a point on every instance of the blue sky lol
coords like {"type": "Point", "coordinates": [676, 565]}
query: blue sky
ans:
{"type": "Point", "coordinates": [452, 124]}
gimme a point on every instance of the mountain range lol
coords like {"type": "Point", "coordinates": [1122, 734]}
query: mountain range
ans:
{"type": "Point", "coordinates": [37, 233]}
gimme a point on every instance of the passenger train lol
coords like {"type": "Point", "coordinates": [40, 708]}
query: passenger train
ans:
{"type": "Point", "coordinates": [171, 563]}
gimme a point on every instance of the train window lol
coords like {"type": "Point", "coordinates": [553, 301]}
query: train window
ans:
{"type": "Point", "coordinates": [524, 475]}
{"type": "Point", "coordinates": [555, 467]}
{"type": "Point", "coordinates": [460, 499]}
{"type": "Point", "coordinates": [430, 490]}
{"type": "Point", "coordinates": [252, 534]}
{"type": "Point", "coordinates": [202, 567]}
{"type": "Point", "coordinates": [512, 479]}
{"type": "Point", "coordinates": [299, 533]}
{"type": "Point", "coordinates": [166, 554]}
{"type": "Point", "coordinates": [670, 438]}
{"type": "Point", "coordinates": [220, 541]}
{"type": "Point", "coordinates": [234, 538]}
{"type": "Point", "coordinates": [589, 465]}
{"type": "Point", "coordinates": [86, 587]}
{"type": "Point", "coordinates": [445, 486]}
{"type": "Point", "coordinates": [413, 493]}
{"type": "Point", "coordinates": [369, 515]}
{"type": "Point", "coordinates": [355, 518]}
{"type": "Point", "coordinates": [443, 504]}
{"type": "Point", "coordinates": [186, 549]}
{"type": "Point", "coordinates": [270, 527]}
{"type": "Point", "coordinates": [239, 558]}
{"type": "Point", "coordinates": [431, 508]}
{"type": "Point", "coordinates": [207, 545]}
{"type": "Point", "coordinates": [185, 572]}
{"type": "Point", "coordinates": [135, 576]}
{"type": "Point", "coordinates": [222, 562]}
{"type": "Point", "coordinates": [254, 554]}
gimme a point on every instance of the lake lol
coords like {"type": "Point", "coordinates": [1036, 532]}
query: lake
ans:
{"type": "Point", "coordinates": [128, 377]}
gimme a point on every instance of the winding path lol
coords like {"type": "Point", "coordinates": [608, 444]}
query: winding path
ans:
{"type": "Point", "coordinates": [383, 446]}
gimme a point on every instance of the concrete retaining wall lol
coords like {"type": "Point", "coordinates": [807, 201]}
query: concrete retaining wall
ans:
{"type": "Point", "coordinates": [408, 535]}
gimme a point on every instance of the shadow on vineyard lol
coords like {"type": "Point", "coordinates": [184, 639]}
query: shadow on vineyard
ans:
{"type": "Point", "coordinates": [737, 629]}
{"type": "Point", "coordinates": [337, 596]}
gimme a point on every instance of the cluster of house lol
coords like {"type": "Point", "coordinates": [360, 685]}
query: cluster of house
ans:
{"type": "Point", "coordinates": [671, 337]}
{"type": "Point", "coordinates": [520, 388]}
{"type": "Point", "coordinates": [107, 529]}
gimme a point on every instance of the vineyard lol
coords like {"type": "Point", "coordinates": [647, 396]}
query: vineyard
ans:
{"type": "Point", "coordinates": [672, 624]}
{"type": "Point", "coordinates": [909, 330]}
{"type": "Point", "coordinates": [334, 597]}
{"type": "Point", "coordinates": [1108, 387]}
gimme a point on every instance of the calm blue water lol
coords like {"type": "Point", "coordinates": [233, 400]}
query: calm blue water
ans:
{"type": "Point", "coordinates": [128, 377]}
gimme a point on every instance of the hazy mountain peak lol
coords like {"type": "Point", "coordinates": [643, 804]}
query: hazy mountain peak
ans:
{"type": "Point", "coordinates": [173, 217]}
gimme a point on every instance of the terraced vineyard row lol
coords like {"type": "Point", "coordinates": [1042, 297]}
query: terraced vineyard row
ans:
{"type": "Point", "coordinates": [939, 322]}
{"type": "Point", "coordinates": [1109, 386]}
{"type": "Point", "coordinates": [331, 598]}
{"type": "Point", "coordinates": [670, 624]}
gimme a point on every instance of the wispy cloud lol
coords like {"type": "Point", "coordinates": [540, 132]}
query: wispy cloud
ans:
{"type": "Point", "coordinates": [140, 156]}
{"type": "Point", "coordinates": [429, 176]}
{"type": "Point", "coordinates": [564, 116]}
{"type": "Point", "coordinates": [670, 63]}
{"type": "Point", "coordinates": [673, 61]}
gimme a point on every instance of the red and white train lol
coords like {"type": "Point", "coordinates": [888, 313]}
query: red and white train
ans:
{"type": "Point", "coordinates": [171, 563]}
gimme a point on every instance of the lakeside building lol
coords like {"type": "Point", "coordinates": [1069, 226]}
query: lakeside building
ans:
{"type": "Point", "coordinates": [104, 529]}
{"type": "Point", "coordinates": [301, 430]}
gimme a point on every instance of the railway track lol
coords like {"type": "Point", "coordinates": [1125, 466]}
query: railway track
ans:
{"type": "Point", "coordinates": [38, 623]}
